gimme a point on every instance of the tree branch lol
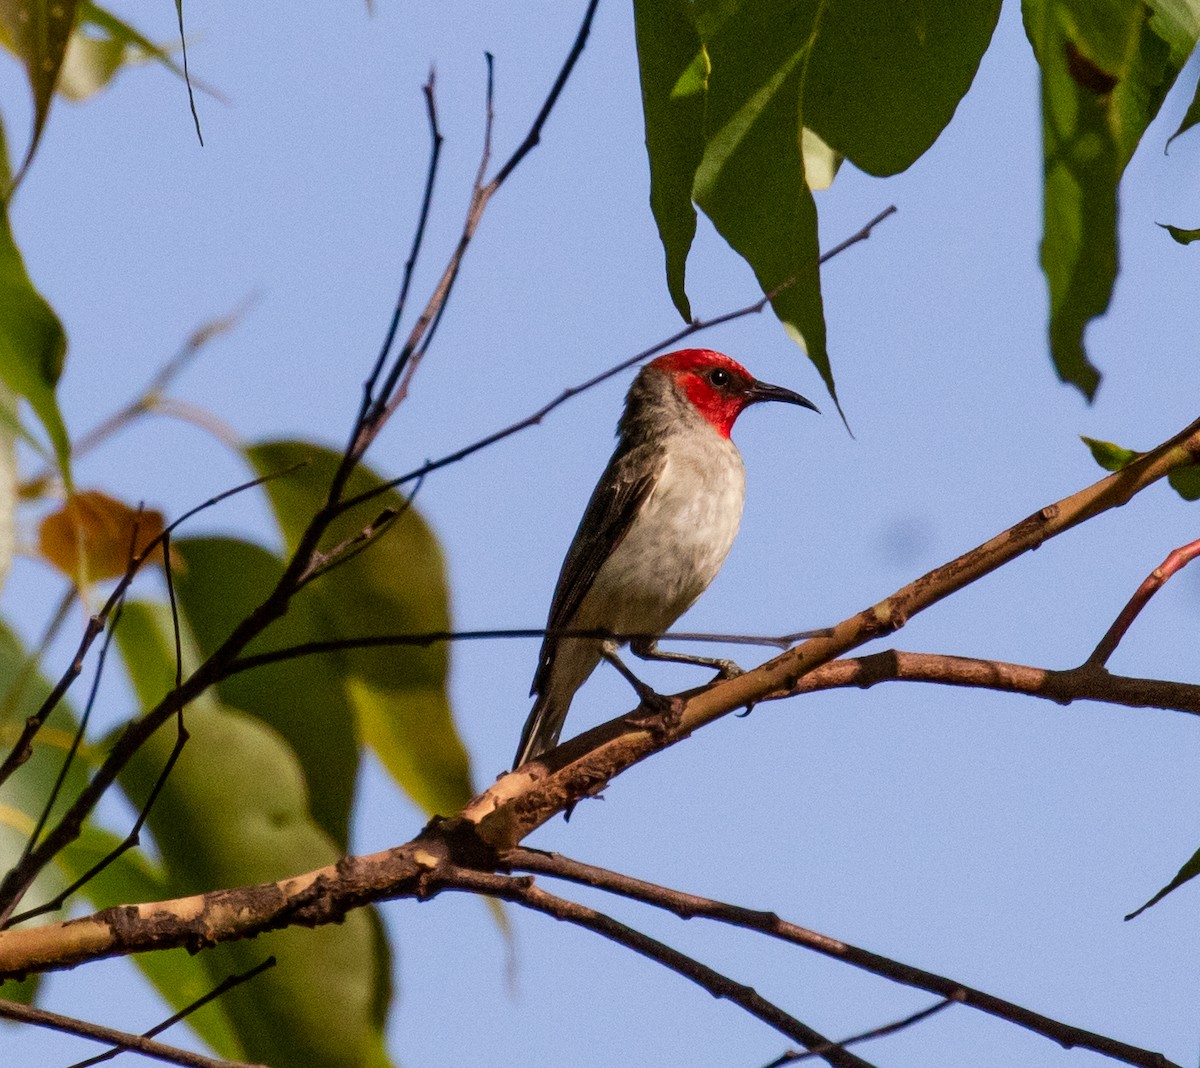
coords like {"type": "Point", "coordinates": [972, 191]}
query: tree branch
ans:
{"type": "Point", "coordinates": [688, 906]}
{"type": "Point", "coordinates": [147, 1047]}
{"type": "Point", "coordinates": [522, 800]}
{"type": "Point", "coordinates": [1088, 682]}
{"type": "Point", "coordinates": [522, 891]}
{"type": "Point", "coordinates": [1177, 560]}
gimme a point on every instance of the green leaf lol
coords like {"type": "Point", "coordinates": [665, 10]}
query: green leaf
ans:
{"type": "Point", "coordinates": [1189, 871]}
{"type": "Point", "coordinates": [751, 180]}
{"type": "Point", "coordinates": [884, 78]}
{"type": "Point", "coordinates": [33, 343]}
{"type": "Point", "coordinates": [232, 813]}
{"type": "Point", "coordinates": [1183, 237]}
{"type": "Point", "coordinates": [397, 586]}
{"type": "Point", "coordinates": [674, 75]}
{"type": "Point", "coordinates": [37, 32]}
{"type": "Point", "coordinates": [222, 581]}
{"type": "Point", "coordinates": [1108, 455]}
{"type": "Point", "coordinates": [1106, 67]}
{"type": "Point", "coordinates": [1184, 480]}
{"type": "Point", "coordinates": [1190, 118]}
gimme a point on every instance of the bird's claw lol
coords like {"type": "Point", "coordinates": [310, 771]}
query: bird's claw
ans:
{"type": "Point", "coordinates": [662, 713]}
{"type": "Point", "coordinates": [727, 669]}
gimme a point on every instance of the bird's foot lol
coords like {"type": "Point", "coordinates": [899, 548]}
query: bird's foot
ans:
{"type": "Point", "coordinates": [658, 713]}
{"type": "Point", "coordinates": [727, 669]}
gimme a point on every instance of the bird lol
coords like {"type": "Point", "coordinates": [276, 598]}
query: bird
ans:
{"type": "Point", "coordinates": [656, 531]}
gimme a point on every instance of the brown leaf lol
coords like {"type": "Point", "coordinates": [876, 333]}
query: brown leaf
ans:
{"type": "Point", "coordinates": [99, 529]}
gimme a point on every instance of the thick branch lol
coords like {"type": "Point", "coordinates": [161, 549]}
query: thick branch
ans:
{"type": "Point", "coordinates": [1088, 682]}
{"type": "Point", "coordinates": [519, 802]}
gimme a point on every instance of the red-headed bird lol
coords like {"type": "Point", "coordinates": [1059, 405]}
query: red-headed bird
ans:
{"type": "Point", "coordinates": [655, 533]}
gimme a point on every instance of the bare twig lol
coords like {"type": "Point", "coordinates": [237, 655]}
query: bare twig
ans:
{"type": "Point", "coordinates": [522, 891]}
{"type": "Point", "coordinates": [17, 890]}
{"type": "Point", "coordinates": [396, 383]}
{"type": "Point", "coordinates": [186, 75]}
{"type": "Point", "coordinates": [432, 637]}
{"type": "Point", "coordinates": [694, 327]}
{"type": "Point", "coordinates": [147, 1047]}
{"type": "Point", "coordinates": [223, 987]}
{"type": "Point", "coordinates": [273, 607]}
{"type": "Point", "coordinates": [792, 1056]}
{"type": "Point", "coordinates": [690, 905]}
{"type": "Point", "coordinates": [22, 749]}
{"type": "Point", "coordinates": [424, 867]}
{"type": "Point", "coordinates": [1176, 561]}
{"type": "Point", "coordinates": [147, 400]}
{"type": "Point", "coordinates": [435, 152]}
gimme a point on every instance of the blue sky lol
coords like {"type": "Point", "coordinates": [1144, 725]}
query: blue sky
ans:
{"type": "Point", "coordinates": [992, 839]}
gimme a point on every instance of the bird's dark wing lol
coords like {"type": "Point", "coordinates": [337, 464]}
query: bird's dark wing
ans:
{"type": "Point", "coordinates": [619, 495]}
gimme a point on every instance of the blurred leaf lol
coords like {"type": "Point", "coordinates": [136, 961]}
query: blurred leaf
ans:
{"type": "Point", "coordinates": [232, 813]}
{"type": "Point", "coordinates": [1184, 480]}
{"type": "Point", "coordinates": [37, 31]}
{"type": "Point", "coordinates": [884, 78]}
{"type": "Point", "coordinates": [397, 586]}
{"type": "Point", "coordinates": [674, 72]}
{"type": "Point", "coordinates": [100, 46]}
{"type": "Point", "coordinates": [24, 795]}
{"type": "Point", "coordinates": [1189, 871]}
{"type": "Point", "coordinates": [1106, 67]}
{"type": "Point", "coordinates": [304, 699]}
{"type": "Point", "coordinates": [179, 977]}
{"type": "Point", "coordinates": [92, 536]}
{"type": "Point", "coordinates": [9, 492]}
{"type": "Point", "coordinates": [1183, 237]}
{"type": "Point", "coordinates": [131, 878]}
{"type": "Point", "coordinates": [33, 343]}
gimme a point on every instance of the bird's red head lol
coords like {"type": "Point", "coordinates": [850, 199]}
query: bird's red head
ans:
{"type": "Point", "coordinates": [720, 388]}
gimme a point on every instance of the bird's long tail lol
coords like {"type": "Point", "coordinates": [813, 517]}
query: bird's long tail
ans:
{"type": "Point", "coordinates": [542, 728]}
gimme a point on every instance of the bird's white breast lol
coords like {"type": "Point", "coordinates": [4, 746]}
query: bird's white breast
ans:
{"type": "Point", "coordinates": [679, 540]}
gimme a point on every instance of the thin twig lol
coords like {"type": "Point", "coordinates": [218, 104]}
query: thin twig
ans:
{"type": "Point", "coordinates": [432, 637]}
{"type": "Point", "coordinates": [855, 238]}
{"type": "Point", "coordinates": [689, 906]}
{"type": "Point", "coordinates": [77, 739]}
{"type": "Point", "coordinates": [1176, 561]}
{"type": "Point", "coordinates": [522, 891]}
{"type": "Point", "coordinates": [694, 327]}
{"type": "Point", "coordinates": [792, 1056]}
{"type": "Point", "coordinates": [22, 749]}
{"type": "Point", "coordinates": [132, 839]}
{"type": "Point", "coordinates": [223, 987]}
{"type": "Point", "coordinates": [147, 1047]}
{"type": "Point", "coordinates": [186, 75]}
{"type": "Point", "coordinates": [414, 253]}
{"type": "Point", "coordinates": [146, 400]}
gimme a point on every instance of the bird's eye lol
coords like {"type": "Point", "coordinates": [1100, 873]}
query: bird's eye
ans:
{"type": "Point", "coordinates": [719, 377]}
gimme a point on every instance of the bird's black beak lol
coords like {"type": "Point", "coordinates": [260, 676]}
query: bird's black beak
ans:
{"type": "Point", "coordinates": [758, 391]}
